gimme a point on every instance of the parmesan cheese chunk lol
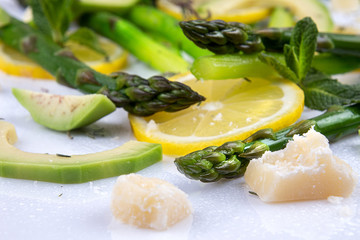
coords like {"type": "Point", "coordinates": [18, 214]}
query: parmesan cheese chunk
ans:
{"type": "Point", "coordinates": [148, 202]}
{"type": "Point", "coordinates": [306, 169]}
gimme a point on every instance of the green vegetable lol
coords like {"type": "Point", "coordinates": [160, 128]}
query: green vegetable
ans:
{"type": "Point", "coordinates": [231, 66]}
{"type": "Point", "coordinates": [130, 157]}
{"type": "Point", "coordinates": [164, 41]}
{"type": "Point", "coordinates": [156, 21]}
{"type": "Point", "coordinates": [64, 113]}
{"type": "Point", "coordinates": [81, 6]}
{"type": "Point", "coordinates": [335, 64]}
{"type": "Point", "coordinates": [135, 94]}
{"type": "Point", "coordinates": [221, 38]}
{"type": "Point", "coordinates": [231, 159]}
{"type": "Point", "coordinates": [103, 5]}
{"type": "Point", "coordinates": [321, 92]}
{"type": "Point", "coordinates": [295, 64]}
{"type": "Point", "coordinates": [135, 41]}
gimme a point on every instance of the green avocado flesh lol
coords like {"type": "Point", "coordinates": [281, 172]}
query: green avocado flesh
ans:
{"type": "Point", "coordinates": [281, 18]}
{"type": "Point", "coordinates": [128, 158]}
{"type": "Point", "coordinates": [300, 9]}
{"type": "Point", "coordinates": [64, 113]}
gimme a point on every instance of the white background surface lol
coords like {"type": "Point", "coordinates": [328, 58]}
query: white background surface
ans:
{"type": "Point", "coordinates": [222, 210]}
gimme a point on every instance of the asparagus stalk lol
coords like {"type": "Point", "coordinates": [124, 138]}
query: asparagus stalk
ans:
{"type": "Point", "coordinates": [136, 95]}
{"type": "Point", "coordinates": [231, 159]}
{"type": "Point", "coordinates": [230, 66]}
{"type": "Point", "coordinates": [221, 38]}
{"type": "Point", "coordinates": [135, 41]}
{"type": "Point", "coordinates": [156, 21]}
{"type": "Point", "coordinates": [112, 6]}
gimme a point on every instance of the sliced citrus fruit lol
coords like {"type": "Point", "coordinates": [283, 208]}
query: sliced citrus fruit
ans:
{"type": "Point", "coordinates": [15, 63]}
{"type": "Point", "coordinates": [227, 11]}
{"type": "Point", "coordinates": [234, 109]}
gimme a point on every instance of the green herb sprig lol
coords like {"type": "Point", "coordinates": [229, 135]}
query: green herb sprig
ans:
{"type": "Point", "coordinates": [321, 91]}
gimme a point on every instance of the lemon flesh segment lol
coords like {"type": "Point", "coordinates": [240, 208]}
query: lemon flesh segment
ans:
{"type": "Point", "coordinates": [14, 63]}
{"type": "Point", "coordinates": [233, 110]}
{"type": "Point", "coordinates": [115, 60]}
{"type": "Point", "coordinates": [248, 15]}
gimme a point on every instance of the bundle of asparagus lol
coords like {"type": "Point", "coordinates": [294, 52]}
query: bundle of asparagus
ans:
{"type": "Point", "coordinates": [321, 91]}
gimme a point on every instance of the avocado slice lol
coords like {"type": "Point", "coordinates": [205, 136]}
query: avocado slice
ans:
{"type": "Point", "coordinates": [281, 18]}
{"type": "Point", "coordinates": [304, 8]}
{"type": "Point", "coordinates": [128, 158]}
{"type": "Point", "coordinates": [64, 113]}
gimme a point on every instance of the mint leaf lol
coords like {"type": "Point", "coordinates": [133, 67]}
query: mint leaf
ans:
{"type": "Point", "coordinates": [88, 38]}
{"type": "Point", "coordinates": [283, 70]}
{"type": "Point", "coordinates": [303, 41]}
{"type": "Point", "coordinates": [291, 60]}
{"type": "Point", "coordinates": [322, 93]}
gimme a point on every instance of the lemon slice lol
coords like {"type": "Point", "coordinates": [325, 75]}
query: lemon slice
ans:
{"type": "Point", "coordinates": [234, 109]}
{"type": "Point", "coordinates": [15, 63]}
{"type": "Point", "coordinates": [225, 10]}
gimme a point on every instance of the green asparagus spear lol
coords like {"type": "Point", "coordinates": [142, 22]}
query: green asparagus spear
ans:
{"type": "Point", "coordinates": [136, 95]}
{"type": "Point", "coordinates": [135, 41]}
{"type": "Point", "coordinates": [156, 21]}
{"type": "Point", "coordinates": [230, 66]}
{"type": "Point", "coordinates": [81, 6]}
{"type": "Point", "coordinates": [221, 37]}
{"type": "Point", "coordinates": [103, 5]}
{"type": "Point", "coordinates": [231, 159]}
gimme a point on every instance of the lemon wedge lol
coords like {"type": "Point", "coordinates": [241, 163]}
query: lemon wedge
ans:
{"type": "Point", "coordinates": [234, 109]}
{"type": "Point", "coordinates": [15, 63]}
{"type": "Point", "coordinates": [225, 10]}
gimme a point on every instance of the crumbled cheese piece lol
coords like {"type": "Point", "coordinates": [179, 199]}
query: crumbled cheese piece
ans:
{"type": "Point", "coordinates": [306, 169]}
{"type": "Point", "coordinates": [148, 202]}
